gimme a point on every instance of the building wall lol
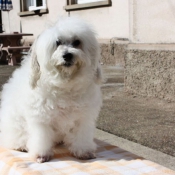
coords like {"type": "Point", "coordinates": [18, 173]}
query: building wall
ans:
{"type": "Point", "coordinates": [141, 21]}
{"type": "Point", "coordinates": [108, 22]}
{"type": "Point", "coordinates": [149, 62]}
{"type": "Point", "coordinates": [152, 21]}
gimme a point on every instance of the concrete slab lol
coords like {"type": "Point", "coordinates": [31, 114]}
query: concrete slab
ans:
{"type": "Point", "coordinates": [137, 149]}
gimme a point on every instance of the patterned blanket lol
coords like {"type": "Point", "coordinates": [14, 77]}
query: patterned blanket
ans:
{"type": "Point", "coordinates": [110, 160]}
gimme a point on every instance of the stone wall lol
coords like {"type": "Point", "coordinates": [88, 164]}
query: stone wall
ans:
{"type": "Point", "coordinates": [151, 72]}
{"type": "Point", "coordinates": [113, 53]}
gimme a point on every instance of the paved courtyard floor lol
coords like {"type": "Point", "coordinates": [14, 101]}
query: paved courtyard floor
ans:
{"type": "Point", "coordinates": [150, 122]}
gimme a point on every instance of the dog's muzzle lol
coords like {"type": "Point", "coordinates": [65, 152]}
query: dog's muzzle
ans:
{"type": "Point", "coordinates": [68, 58]}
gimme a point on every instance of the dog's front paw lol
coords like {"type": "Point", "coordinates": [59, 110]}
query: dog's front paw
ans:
{"type": "Point", "coordinates": [42, 159]}
{"type": "Point", "coordinates": [86, 156]}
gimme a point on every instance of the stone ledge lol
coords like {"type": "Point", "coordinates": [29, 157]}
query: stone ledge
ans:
{"type": "Point", "coordinates": [153, 47]}
{"type": "Point", "coordinates": [114, 40]}
{"type": "Point", "coordinates": [31, 13]}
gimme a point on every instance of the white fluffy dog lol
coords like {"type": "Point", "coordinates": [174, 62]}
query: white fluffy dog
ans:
{"type": "Point", "coordinates": [55, 95]}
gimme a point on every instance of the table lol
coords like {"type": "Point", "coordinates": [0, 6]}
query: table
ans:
{"type": "Point", "coordinates": [110, 160]}
{"type": "Point", "coordinates": [13, 41]}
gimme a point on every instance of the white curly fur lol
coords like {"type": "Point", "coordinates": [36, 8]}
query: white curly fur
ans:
{"type": "Point", "coordinates": [46, 102]}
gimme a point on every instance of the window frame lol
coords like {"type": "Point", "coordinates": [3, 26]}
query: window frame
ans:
{"type": "Point", "coordinates": [38, 11]}
{"type": "Point", "coordinates": [72, 6]}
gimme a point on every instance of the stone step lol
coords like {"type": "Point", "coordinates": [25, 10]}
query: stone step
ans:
{"type": "Point", "coordinates": [113, 74]}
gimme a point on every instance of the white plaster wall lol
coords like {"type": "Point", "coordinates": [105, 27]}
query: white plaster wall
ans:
{"type": "Point", "coordinates": [109, 22]}
{"type": "Point", "coordinates": [143, 21]}
{"type": "Point", "coordinates": [152, 21]}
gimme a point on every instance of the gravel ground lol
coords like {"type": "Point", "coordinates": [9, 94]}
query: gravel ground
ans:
{"type": "Point", "coordinates": [5, 73]}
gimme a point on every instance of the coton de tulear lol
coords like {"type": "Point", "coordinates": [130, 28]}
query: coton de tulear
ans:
{"type": "Point", "coordinates": [55, 95]}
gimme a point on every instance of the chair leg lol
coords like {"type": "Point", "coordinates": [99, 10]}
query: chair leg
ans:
{"type": "Point", "coordinates": [12, 60]}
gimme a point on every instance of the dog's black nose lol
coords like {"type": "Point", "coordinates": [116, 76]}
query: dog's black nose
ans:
{"type": "Point", "coordinates": [68, 57]}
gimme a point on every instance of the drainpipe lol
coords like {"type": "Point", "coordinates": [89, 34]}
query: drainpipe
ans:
{"type": "Point", "coordinates": [1, 31]}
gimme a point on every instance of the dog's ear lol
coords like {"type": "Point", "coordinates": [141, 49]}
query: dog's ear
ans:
{"type": "Point", "coordinates": [35, 67]}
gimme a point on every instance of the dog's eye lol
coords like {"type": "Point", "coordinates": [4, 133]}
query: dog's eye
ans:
{"type": "Point", "coordinates": [58, 42]}
{"type": "Point", "coordinates": [76, 43]}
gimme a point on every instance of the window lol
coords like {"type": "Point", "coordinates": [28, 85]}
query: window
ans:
{"type": "Point", "coordinates": [37, 5]}
{"type": "Point", "coordinates": [85, 4]}
{"type": "Point", "coordinates": [33, 7]}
